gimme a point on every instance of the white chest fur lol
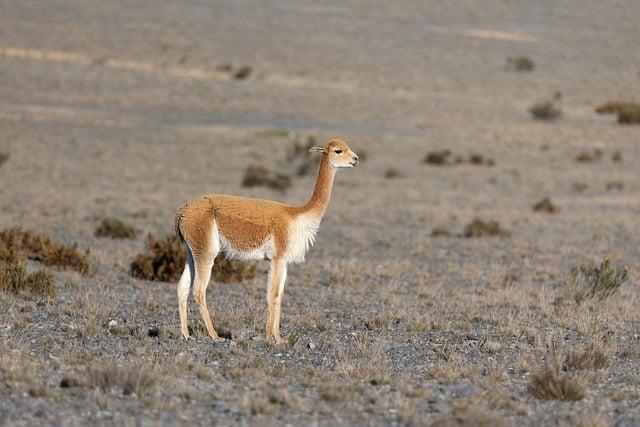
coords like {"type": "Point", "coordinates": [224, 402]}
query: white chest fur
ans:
{"type": "Point", "coordinates": [302, 234]}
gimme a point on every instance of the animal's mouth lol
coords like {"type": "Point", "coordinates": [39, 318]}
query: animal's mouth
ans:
{"type": "Point", "coordinates": [353, 163]}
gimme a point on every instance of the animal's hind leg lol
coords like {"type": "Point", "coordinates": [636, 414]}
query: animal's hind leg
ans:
{"type": "Point", "coordinates": [204, 264]}
{"type": "Point", "coordinates": [186, 280]}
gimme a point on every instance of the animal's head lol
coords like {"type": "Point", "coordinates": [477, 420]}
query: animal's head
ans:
{"type": "Point", "coordinates": [338, 153]}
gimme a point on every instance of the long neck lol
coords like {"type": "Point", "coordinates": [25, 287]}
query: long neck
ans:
{"type": "Point", "coordinates": [319, 200]}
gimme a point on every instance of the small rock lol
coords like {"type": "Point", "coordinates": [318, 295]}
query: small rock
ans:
{"type": "Point", "coordinates": [154, 331]}
{"type": "Point", "coordinates": [463, 390]}
{"type": "Point", "coordinates": [113, 323]}
{"type": "Point", "coordinates": [311, 345]}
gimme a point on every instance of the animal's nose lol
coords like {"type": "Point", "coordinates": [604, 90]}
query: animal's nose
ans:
{"type": "Point", "coordinates": [355, 159]}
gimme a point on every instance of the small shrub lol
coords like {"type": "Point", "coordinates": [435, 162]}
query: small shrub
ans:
{"type": "Point", "coordinates": [242, 72]}
{"type": "Point", "coordinates": [116, 229]}
{"type": "Point", "coordinates": [479, 159]}
{"type": "Point", "coordinates": [392, 173]}
{"type": "Point", "coordinates": [587, 157]}
{"type": "Point", "coordinates": [628, 112]}
{"type": "Point", "coordinates": [256, 175]}
{"type": "Point", "coordinates": [165, 259]}
{"type": "Point", "coordinates": [3, 157]}
{"type": "Point", "coordinates": [614, 185]}
{"type": "Point", "coordinates": [40, 247]}
{"type": "Point", "coordinates": [589, 358]}
{"type": "Point", "coordinates": [597, 281]}
{"type": "Point", "coordinates": [545, 205]}
{"type": "Point", "coordinates": [545, 111]}
{"type": "Point", "coordinates": [438, 157]}
{"type": "Point", "coordinates": [14, 278]}
{"type": "Point", "coordinates": [42, 283]}
{"type": "Point", "coordinates": [440, 232]}
{"type": "Point", "coordinates": [551, 383]}
{"type": "Point", "coordinates": [521, 63]}
{"type": "Point", "coordinates": [480, 228]}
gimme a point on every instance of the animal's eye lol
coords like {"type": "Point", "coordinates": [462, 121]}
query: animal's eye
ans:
{"type": "Point", "coordinates": [338, 151]}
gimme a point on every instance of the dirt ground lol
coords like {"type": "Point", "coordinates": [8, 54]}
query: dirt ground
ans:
{"type": "Point", "coordinates": [127, 110]}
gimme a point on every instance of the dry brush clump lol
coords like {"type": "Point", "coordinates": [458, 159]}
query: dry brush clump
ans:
{"type": "Point", "coordinates": [3, 157]}
{"type": "Point", "coordinates": [115, 229]}
{"type": "Point", "coordinates": [547, 110]}
{"type": "Point", "coordinates": [131, 379]}
{"type": "Point", "coordinates": [520, 63]}
{"type": "Point", "coordinates": [551, 382]}
{"type": "Point", "coordinates": [258, 175]}
{"type": "Point", "coordinates": [628, 112]}
{"type": "Point", "coordinates": [597, 281]}
{"type": "Point", "coordinates": [545, 205]}
{"type": "Point", "coordinates": [481, 228]}
{"type": "Point", "coordinates": [14, 276]}
{"type": "Point", "coordinates": [445, 158]}
{"type": "Point", "coordinates": [164, 261]}
{"type": "Point", "coordinates": [469, 415]}
{"type": "Point", "coordinates": [41, 248]}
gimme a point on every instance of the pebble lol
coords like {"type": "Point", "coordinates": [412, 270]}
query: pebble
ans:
{"type": "Point", "coordinates": [311, 345]}
{"type": "Point", "coordinates": [113, 323]}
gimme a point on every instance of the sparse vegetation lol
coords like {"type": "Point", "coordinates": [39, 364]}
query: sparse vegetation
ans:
{"type": "Point", "coordinates": [481, 228]}
{"type": "Point", "coordinates": [115, 229]}
{"type": "Point", "coordinates": [469, 416]}
{"type": "Point", "coordinates": [133, 379]}
{"type": "Point", "coordinates": [445, 158]}
{"type": "Point", "coordinates": [545, 205]}
{"type": "Point", "coordinates": [14, 278]}
{"type": "Point", "coordinates": [273, 133]}
{"type": "Point", "coordinates": [550, 382]}
{"type": "Point", "coordinates": [628, 112]}
{"type": "Point", "coordinates": [41, 248]}
{"type": "Point", "coordinates": [165, 260]}
{"type": "Point", "coordinates": [521, 63]}
{"type": "Point", "coordinates": [440, 232]}
{"type": "Point", "coordinates": [3, 157]}
{"type": "Point", "coordinates": [597, 281]}
{"type": "Point", "coordinates": [257, 175]}
{"type": "Point", "coordinates": [392, 173]}
{"type": "Point", "coordinates": [547, 110]}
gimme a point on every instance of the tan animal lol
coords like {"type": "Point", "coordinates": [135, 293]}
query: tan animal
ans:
{"type": "Point", "coordinates": [253, 229]}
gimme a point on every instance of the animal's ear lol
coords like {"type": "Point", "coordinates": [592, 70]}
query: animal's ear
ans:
{"type": "Point", "coordinates": [316, 150]}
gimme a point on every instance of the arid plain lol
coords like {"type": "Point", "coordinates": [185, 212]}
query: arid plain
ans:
{"type": "Point", "coordinates": [403, 314]}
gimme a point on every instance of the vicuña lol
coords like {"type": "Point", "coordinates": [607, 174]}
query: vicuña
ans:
{"type": "Point", "coordinates": [253, 229]}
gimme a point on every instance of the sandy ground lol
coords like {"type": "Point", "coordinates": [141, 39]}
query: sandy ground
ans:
{"type": "Point", "coordinates": [121, 110]}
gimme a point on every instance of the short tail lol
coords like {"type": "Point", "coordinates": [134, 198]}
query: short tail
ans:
{"type": "Point", "coordinates": [178, 222]}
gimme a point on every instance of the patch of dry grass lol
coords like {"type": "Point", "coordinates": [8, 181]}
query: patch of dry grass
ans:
{"type": "Point", "coordinates": [115, 229]}
{"type": "Point", "coordinates": [130, 379]}
{"type": "Point", "coordinates": [547, 110]}
{"type": "Point", "coordinates": [520, 63]}
{"type": "Point", "coordinates": [3, 157]}
{"type": "Point", "coordinates": [545, 205]}
{"type": "Point", "coordinates": [628, 112]}
{"type": "Point", "coordinates": [14, 277]}
{"type": "Point", "coordinates": [481, 228]}
{"type": "Point", "coordinates": [597, 281]}
{"type": "Point", "coordinates": [550, 382]}
{"type": "Point", "coordinates": [40, 247]}
{"type": "Point", "coordinates": [165, 259]}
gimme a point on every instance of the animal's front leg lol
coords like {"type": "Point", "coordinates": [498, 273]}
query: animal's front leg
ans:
{"type": "Point", "coordinates": [277, 277]}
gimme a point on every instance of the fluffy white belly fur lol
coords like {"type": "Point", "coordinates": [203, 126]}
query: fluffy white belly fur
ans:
{"type": "Point", "coordinates": [302, 234]}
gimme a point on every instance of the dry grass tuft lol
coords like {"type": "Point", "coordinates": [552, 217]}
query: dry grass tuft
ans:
{"type": "Point", "coordinates": [548, 110]}
{"type": "Point", "coordinates": [256, 175]}
{"type": "Point", "coordinates": [592, 281]}
{"type": "Point", "coordinates": [545, 205]}
{"type": "Point", "coordinates": [165, 260]}
{"type": "Point", "coordinates": [133, 379]}
{"type": "Point", "coordinates": [40, 247]}
{"type": "Point", "coordinates": [520, 63]}
{"type": "Point", "coordinates": [469, 416]}
{"type": "Point", "coordinates": [438, 157]}
{"type": "Point", "coordinates": [628, 112]}
{"type": "Point", "coordinates": [551, 383]}
{"type": "Point", "coordinates": [440, 232]}
{"type": "Point", "coordinates": [589, 358]}
{"type": "Point", "coordinates": [587, 157]}
{"type": "Point", "coordinates": [14, 277]}
{"type": "Point", "coordinates": [480, 228]}
{"type": "Point", "coordinates": [3, 157]}
{"type": "Point", "coordinates": [115, 229]}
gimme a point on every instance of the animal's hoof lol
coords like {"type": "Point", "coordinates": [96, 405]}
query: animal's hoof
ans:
{"type": "Point", "coordinates": [185, 336]}
{"type": "Point", "coordinates": [216, 338]}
